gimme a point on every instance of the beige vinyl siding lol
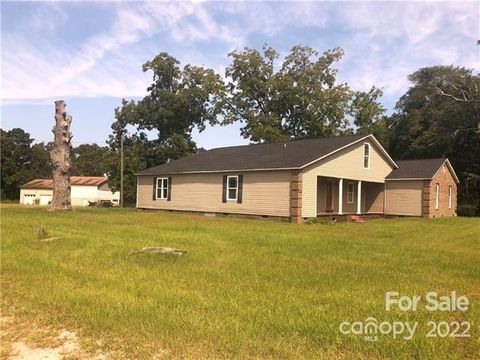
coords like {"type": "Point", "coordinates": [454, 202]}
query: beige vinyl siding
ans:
{"type": "Point", "coordinates": [346, 164]}
{"type": "Point", "coordinates": [264, 193]}
{"type": "Point", "coordinates": [373, 197]}
{"type": "Point", "coordinates": [404, 197]}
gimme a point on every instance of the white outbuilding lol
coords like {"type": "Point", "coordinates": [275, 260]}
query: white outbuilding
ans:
{"type": "Point", "coordinates": [84, 189]}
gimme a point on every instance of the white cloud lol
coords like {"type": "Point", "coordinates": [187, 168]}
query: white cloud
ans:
{"type": "Point", "coordinates": [36, 71]}
{"type": "Point", "coordinates": [384, 42]}
{"type": "Point", "coordinates": [392, 40]}
{"type": "Point", "coordinates": [47, 16]}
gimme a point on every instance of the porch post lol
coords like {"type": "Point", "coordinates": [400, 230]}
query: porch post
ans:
{"type": "Point", "coordinates": [359, 197]}
{"type": "Point", "coordinates": [340, 196]}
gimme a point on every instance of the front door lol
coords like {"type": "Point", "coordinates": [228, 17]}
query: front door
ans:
{"type": "Point", "coordinates": [329, 196]}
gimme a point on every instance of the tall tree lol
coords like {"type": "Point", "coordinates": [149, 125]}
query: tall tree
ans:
{"type": "Point", "coordinates": [301, 99]}
{"type": "Point", "coordinates": [15, 157]}
{"type": "Point", "coordinates": [41, 166]}
{"type": "Point", "coordinates": [440, 116]}
{"type": "Point", "coordinates": [178, 101]}
{"type": "Point", "coordinates": [89, 160]}
{"type": "Point", "coordinates": [21, 161]}
{"type": "Point", "coordinates": [369, 115]}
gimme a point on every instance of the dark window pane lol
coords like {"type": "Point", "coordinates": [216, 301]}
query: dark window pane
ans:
{"type": "Point", "coordinates": [165, 183]}
{"type": "Point", "coordinates": [232, 193]}
{"type": "Point", "coordinates": [365, 162]}
{"type": "Point", "coordinates": [165, 193]}
{"type": "Point", "coordinates": [366, 149]}
{"type": "Point", "coordinates": [232, 182]}
{"type": "Point", "coordinates": [159, 193]}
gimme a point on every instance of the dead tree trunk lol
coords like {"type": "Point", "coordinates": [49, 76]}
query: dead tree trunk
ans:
{"type": "Point", "coordinates": [60, 157]}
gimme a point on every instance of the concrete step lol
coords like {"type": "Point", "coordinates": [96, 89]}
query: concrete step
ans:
{"type": "Point", "coordinates": [356, 218]}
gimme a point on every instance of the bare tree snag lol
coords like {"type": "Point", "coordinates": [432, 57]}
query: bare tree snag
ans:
{"type": "Point", "coordinates": [60, 157]}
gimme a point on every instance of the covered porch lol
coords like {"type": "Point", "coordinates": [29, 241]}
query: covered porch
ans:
{"type": "Point", "coordinates": [338, 196]}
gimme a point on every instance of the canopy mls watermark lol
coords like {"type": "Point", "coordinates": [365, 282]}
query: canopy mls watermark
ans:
{"type": "Point", "coordinates": [371, 328]}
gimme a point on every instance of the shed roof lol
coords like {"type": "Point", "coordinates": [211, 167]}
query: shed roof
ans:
{"type": "Point", "coordinates": [74, 180]}
{"type": "Point", "coordinates": [274, 156]}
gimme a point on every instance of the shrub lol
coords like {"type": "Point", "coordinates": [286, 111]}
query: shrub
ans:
{"type": "Point", "coordinates": [466, 210]}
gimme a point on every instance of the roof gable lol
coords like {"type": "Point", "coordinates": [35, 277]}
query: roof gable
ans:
{"type": "Point", "coordinates": [373, 140]}
{"type": "Point", "coordinates": [273, 156]}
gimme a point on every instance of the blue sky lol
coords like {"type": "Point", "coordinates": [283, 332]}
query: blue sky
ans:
{"type": "Point", "coordinates": [90, 53]}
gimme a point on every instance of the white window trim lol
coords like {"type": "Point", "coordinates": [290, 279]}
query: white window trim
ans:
{"type": "Point", "coordinates": [161, 188]}
{"type": "Point", "coordinates": [437, 196]}
{"type": "Point", "coordinates": [231, 188]}
{"type": "Point", "coordinates": [449, 196]}
{"type": "Point", "coordinates": [352, 192]}
{"type": "Point", "coordinates": [366, 156]}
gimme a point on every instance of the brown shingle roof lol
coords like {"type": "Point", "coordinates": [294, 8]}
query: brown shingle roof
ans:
{"type": "Point", "coordinates": [282, 155]}
{"type": "Point", "coordinates": [75, 180]}
{"type": "Point", "coordinates": [416, 169]}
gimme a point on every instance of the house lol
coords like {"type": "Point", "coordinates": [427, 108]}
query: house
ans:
{"type": "Point", "coordinates": [83, 190]}
{"type": "Point", "coordinates": [350, 175]}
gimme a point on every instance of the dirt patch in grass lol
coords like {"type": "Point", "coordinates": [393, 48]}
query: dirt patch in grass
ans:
{"type": "Point", "coordinates": [21, 340]}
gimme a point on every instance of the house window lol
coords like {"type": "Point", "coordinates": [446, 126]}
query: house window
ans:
{"type": "Point", "coordinates": [162, 188]}
{"type": "Point", "coordinates": [350, 196]}
{"type": "Point", "coordinates": [449, 196]}
{"type": "Point", "coordinates": [437, 196]}
{"type": "Point", "coordinates": [232, 188]}
{"type": "Point", "coordinates": [366, 156]}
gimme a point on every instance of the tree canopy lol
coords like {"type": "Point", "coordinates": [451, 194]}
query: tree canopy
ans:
{"type": "Point", "coordinates": [21, 161]}
{"type": "Point", "coordinates": [179, 100]}
{"type": "Point", "coordinates": [297, 99]}
{"type": "Point", "coordinates": [90, 160]}
{"type": "Point", "coordinates": [439, 116]}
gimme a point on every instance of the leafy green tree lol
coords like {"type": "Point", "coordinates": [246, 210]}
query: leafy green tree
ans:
{"type": "Point", "coordinates": [89, 160]}
{"type": "Point", "coordinates": [178, 101]}
{"type": "Point", "coordinates": [21, 161]}
{"type": "Point", "coordinates": [301, 99]}
{"type": "Point", "coordinates": [440, 116]}
{"type": "Point", "coordinates": [41, 166]}
{"type": "Point", "coordinates": [369, 115]}
{"type": "Point", "coordinates": [135, 159]}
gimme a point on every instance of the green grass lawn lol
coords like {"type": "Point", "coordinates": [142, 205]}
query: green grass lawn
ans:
{"type": "Point", "coordinates": [246, 288]}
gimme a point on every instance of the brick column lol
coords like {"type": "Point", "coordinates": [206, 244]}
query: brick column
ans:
{"type": "Point", "coordinates": [426, 199]}
{"type": "Point", "coordinates": [296, 197]}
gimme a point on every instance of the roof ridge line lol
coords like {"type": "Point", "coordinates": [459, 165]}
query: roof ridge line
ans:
{"type": "Point", "coordinates": [286, 141]}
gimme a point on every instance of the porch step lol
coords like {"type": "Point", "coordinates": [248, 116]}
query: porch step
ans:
{"type": "Point", "coordinates": [352, 217]}
{"type": "Point", "coordinates": [356, 218]}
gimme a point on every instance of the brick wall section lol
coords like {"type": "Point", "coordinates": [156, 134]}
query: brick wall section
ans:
{"type": "Point", "coordinates": [426, 195]}
{"type": "Point", "coordinates": [445, 179]}
{"type": "Point", "coordinates": [296, 197]}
